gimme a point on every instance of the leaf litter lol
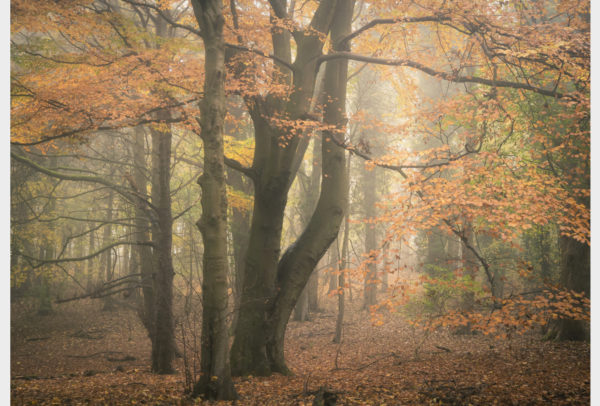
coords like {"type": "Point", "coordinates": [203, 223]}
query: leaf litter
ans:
{"type": "Point", "coordinates": [82, 355]}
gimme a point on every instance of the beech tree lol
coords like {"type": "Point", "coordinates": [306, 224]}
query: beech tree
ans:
{"type": "Point", "coordinates": [511, 149]}
{"type": "Point", "coordinates": [215, 381]}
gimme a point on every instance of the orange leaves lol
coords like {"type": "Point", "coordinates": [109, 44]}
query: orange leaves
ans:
{"type": "Point", "coordinates": [516, 314]}
{"type": "Point", "coordinates": [239, 201]}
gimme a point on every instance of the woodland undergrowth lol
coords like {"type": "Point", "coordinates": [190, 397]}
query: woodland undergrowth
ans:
{"type": "Point", "coordinates": [82, 355]}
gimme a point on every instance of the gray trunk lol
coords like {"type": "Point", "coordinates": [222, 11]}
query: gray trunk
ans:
{"type": "Point", "coordinates": [163, 343]}
{"type": "Point", "coordinates": [270, 290]}
{"type": "Point", "coordinates": [300, 259]}
{"type": "Point", "coordinates": [107, 262]}
{"type": "Point", "coordinates": [369, 199]}
{"type": "Point", "coordinates": [143, 253]}
{"type": "Point", "coordinates": [574, 275]}
{"type": "Point", "coordinates": [215, 380]}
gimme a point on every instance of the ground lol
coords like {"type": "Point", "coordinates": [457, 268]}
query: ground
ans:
{"type": "Point", "coordinates": [83, 355]}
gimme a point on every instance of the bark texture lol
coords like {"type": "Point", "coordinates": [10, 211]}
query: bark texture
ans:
{"type": "Point", "coordinates": [574, 275]}
{"type": "Point", "coordinates": [215, 380]}
{"type": "Point", "coordinates": [300, 259]}
{"type": "Point", "coordinates": [278, 153]}
{"type": "Point", "coordinates": [163, 343]}
{"type": "Point", "coordinates": [143, 253]}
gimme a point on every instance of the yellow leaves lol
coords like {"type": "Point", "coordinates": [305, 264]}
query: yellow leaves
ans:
{"type": "Point", "coordinates": [238, 200]}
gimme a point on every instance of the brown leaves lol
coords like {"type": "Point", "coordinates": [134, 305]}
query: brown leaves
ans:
{"type": "Point", "coordinates": [391, 364]}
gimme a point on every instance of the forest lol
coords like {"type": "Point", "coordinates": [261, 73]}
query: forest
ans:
{"type": "Point", "coordinates": [300, 202]}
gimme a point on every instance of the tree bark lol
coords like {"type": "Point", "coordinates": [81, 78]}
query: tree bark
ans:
{"type": "Point", "coordinates": [143, 253]}
{"type": "Point", "coordinates": [215, 380]}
{"type": "Point", "coordinates": [107, 262]}
{"type": "Point", "coordinates": [369, 199]}
{"type": "Point", "coordinates": [270, 290]}
{"type": "Point", "coordinates": [299, 260]}
{"type": "Point", "coordinates": [343, 266]}
{"type": "Point", "coordinates": [163, 344]}
{"type": "Point", "coordinates": [334, 264]}
{"type": "Point", "coordinates": [470, 266]}
{"type": "Point", "coordinates": [574, 275]}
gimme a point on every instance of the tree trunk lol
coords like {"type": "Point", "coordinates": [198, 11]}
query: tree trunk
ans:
{"type": "Point", "coordinates": [143, 253]}
{"type": "Point", "coordinates": [308, 300]}
{"type": "Point", "coordinates": [313, 292]}
{"type": "Point", "coordinates": [301, 309]}
{"type": "Point", "coordinates": [163, 344]}
{"type": "Point", "coordinates": [215, 380]}
{"type": "Point", "coordinates": [343, 267]}
{"type": "Point", "coordinates": [240, 227]}
{"type": "Point", "coordinates": [574, 275]}
{"type": "Point", "coordinates": [45, 303]}
{"type": "Point", "coordinates": [107, 263]}
{"type": "Point", "coordinates": [90, 264]}
{"type": "Point", "coordinates": [278, 153]}
{"type": "Point", "coordinates": [384, 268]}
{"type": "Point", "coordinates": [470, 265]}
{"type": "Point", "coordinates": [369, 199]}
{"type": "Point", "coordinates": [299, 261]}
{"type": "Point", "coordinates": [334, 265]}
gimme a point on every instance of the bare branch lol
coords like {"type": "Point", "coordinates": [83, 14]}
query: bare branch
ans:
{"type": "Point", "coordinates": [42, 262]}
{"type": "Point", "coordinates": [451, 77]}
{"type": "Point", "coordinates": [236, 165]}
{"type": "Point", "coordinates": [387, 21]}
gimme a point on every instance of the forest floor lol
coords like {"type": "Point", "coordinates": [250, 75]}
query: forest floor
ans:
{"type": "Point", "coordinates": [83, 355]}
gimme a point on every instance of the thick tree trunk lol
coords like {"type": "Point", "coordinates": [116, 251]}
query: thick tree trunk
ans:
{"type": "Point", "coordinates": [308, 300]}
{"type": "Point", "coordinates": [299, 261]}
{"type": "Point", "coordinates": [278, 153]}
{"type": "Point", "coordinates": [574, 275]}
{"type": "Point", "coordinates": [215, 380]}
{"type": "Point", "coordinates": [315, 184]}
{"type": "Point", "coordinates": [248, 353]}
{"type": "Point", "coordinates": [240, 228]}
{"type": "Point", "coordinates": [163, 344]}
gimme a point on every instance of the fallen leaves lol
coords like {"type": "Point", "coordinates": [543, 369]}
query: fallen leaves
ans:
{"type": "Point", "coordinates": [392, 364]}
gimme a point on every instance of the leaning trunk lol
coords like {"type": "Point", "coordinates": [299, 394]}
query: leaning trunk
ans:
{"type": "Point", "coordinates": [300, 259]}
{"type": "Point", "coordinates": [278, 153]}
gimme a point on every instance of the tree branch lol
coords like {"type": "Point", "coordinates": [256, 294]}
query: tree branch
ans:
{"type": "Point", "coordinates": [166, 17]}
{"type": "Point", "coordinates": [236, 165]}
{"type": "Point", "coordinates": [82, 178]}
{"type": "Point", "coordinates": [381, 21]}
{"type": "Point", "coordinates": [450, 77]}
{"type": "Point", "coordinates": [41, 262]}
{"type": "Point", "coordinates": [77, 131]}
{"type": "Point", "coordinates": [261, 53]}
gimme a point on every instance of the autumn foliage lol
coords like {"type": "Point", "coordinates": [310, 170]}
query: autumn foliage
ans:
{"type": "Point", "coordinates": [445, 176]}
